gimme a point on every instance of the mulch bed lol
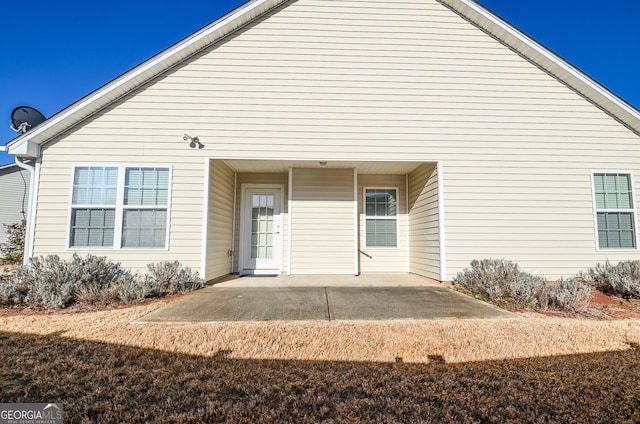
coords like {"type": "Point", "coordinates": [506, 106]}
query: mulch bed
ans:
{"type": "Point", "coordinates": [601, 306]}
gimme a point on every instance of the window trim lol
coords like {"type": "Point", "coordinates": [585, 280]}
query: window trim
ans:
{"type": "Point", "coordinates": [119, 206]}
{"type": "Point", "coordinates": [596, 210]}
{"type": "Point", "coordinates": [364, 214]}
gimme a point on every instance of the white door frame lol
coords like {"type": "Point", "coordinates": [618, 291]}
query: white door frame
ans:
{"type": "Point", "coordinates": [245, 230]}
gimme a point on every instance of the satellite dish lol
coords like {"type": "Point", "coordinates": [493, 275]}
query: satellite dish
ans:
{"type": "Point", "coordinates": [23, 118]}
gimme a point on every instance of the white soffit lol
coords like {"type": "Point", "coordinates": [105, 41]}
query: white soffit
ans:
{"type": "Point", "coordinates": [282, 166]}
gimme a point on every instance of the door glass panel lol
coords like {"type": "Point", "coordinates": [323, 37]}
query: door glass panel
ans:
{"type": "Point", "coordinates": [262, 226]}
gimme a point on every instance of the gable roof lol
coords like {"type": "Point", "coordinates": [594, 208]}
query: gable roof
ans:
{"type": "Point", "coordinates": [253, 9]}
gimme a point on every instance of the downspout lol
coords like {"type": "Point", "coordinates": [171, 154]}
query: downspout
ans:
{"type": "Point", "coordinates": [233, 223]}
{"type": "Point", "coordinates": [34, 171]}
{"type": "Point", "coordinates": [356, 241]}
{"type": "Point", "coordinates": [441, 231]}
{"type": "Point", "coordinates": [289, 220]}
{"type": "Point", "coordinates": [205, 219]}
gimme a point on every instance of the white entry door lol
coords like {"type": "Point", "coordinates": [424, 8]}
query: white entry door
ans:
{"type": "Point", "coordinates": [261, 230]}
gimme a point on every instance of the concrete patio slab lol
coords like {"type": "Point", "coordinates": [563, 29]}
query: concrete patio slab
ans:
{"type": "Point", "coordinates": [311, 301]}
{"type": "Point", "coordinates": [398, 303]}
{"type": "Point", "coordinates": [213, 304]}
{"type": "Point", "coordinates": [371, 280]}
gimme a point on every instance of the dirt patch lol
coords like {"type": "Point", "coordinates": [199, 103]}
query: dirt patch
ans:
{"type": "Point", "coordinates": [79, 308]}
{"type": "Point", "coordinates": [612, 307]}
{"type": "Point", "coordinates": [600, 307]}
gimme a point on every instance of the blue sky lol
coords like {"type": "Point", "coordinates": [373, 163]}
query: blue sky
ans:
{"type": "Point", "coordinates": [54, 53]}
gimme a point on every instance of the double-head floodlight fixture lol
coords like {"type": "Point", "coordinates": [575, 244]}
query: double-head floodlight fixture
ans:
{"type": "Point", "coordinates": [195, 141]}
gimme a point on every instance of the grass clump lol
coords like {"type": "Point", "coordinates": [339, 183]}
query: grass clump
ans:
{"type": "Point", "coordinates": [50, 282]}
{"type": "Point", "coordinates": [621, 279]}
{"type": "Point", "coordinates": [501, 281]}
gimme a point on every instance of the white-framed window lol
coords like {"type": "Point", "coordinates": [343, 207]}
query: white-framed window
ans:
{"type": "Point", "coordinates": [381, 217]}
{"type": "Point", "coordinates": [614, 210]}
{"type": "Point", "coordinates": [115, 207]}
{"type": "Point", "coordinates": [144, 215]}
{"type": "Point", "coordinates": [93, 208]}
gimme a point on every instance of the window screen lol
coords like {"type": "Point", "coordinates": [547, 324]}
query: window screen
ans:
{"type": "Point", "coordinates": [614, 211]}
{"type": "Point", "coordinates": [144, 220]}
{"type": "Point", "coordinates": [101, 195]}
{"type": "Point", "coordinates": [93, 206]}
{"type": "Point", "coordinates": [381, 218]}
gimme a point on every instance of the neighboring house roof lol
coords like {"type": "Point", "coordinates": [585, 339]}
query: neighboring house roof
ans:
{"type": "Point", "coordinates": [8, 166]}
{"type": "Point", "coordinates": [23, 145]}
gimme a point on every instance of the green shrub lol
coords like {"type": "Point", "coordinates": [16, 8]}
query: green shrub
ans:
{"type": "Point", "coordinates": [171, 277]}
{"type": "Point", "coordinates": [571, 294]}
{"type": "Point", "coordinates": [501, 281]}
{"type": "Point", "coordinates": [524, 290]}
{"type": "Point", "coordinates": [5, 276]}
{"type": "Point", "coordinates": [132, 291]}
{"type": "Point", "coordinates": [11, 295]}
{"type": "Point", "coordinates": [622, 279]}
{"type": "Point", "coordinates": [11, 292]}
{"type": "Point", "coordinates": [12, 250]}
{"type": "Point", "coordinates": [51, 282]}
{"type": "Point", "coordinates": [96, 279]}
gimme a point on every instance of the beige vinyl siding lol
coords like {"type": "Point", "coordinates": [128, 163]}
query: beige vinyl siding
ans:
{"type": "Point", "coordinates": [541, 218]}
{"type": "Point", "coordinates": [384, 259]}
{"type": "Point", "coordinates": [369, 80]}
{"type": "Point", "coordinates": [424, 233]}
{"type": "Point", "coordinates": [185, 209]}
{"type": "Point", "coordinates": [323, 222]}
{"type": "Point", "coordinates": [14, 195]}
{"type": "Point", "coordinates": [261, 178]}
{"type": "Point", "coordinates": [219, 220]}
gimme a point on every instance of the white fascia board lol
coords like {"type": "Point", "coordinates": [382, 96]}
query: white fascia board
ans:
{"type": "Point", "coordinates": [548, 61]}
{"type": "Point", "coordinates": [144, 72]}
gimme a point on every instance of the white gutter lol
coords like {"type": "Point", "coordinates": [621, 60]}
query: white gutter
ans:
{"type": "Point", "coordinates": [3, 148]}
{"type": "Point", "coordinates": [29, 238]}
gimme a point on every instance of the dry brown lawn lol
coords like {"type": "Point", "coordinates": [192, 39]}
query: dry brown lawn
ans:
{"type": "Point", "coordinates": [104, 368]}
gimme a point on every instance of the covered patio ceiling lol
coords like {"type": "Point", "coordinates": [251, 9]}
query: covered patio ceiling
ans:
{"type": "Point", "coordinates": [282, 166]}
